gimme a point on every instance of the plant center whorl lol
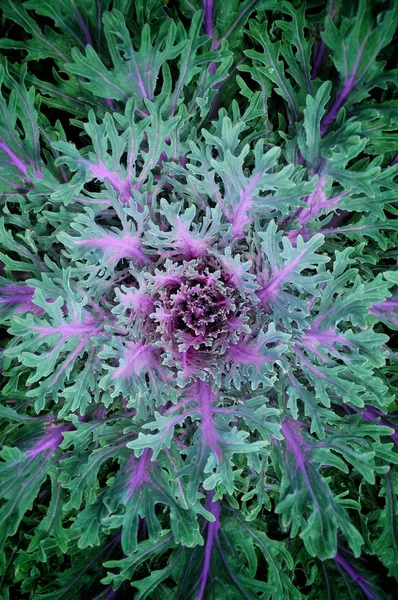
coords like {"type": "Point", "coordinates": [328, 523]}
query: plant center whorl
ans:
{"type": "Point", "coordinates": [199, 315]}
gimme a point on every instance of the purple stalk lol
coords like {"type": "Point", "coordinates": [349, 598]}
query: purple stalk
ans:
{"type": "Point", "coordinates": [288, 428]}
{"type": "Point", "coordinates": [17, 162]}
{"type": "Point", "coordinates": [140, 472]}
{"type": "Point", "coordinates": [348, 86]}
{"type": "Point", "coordinates": [69, 360]}
{"type": "Point", "coordinates": [316, 202]}
{"type": "Point", "coordinates": [82, 24]}
{"type": "Point", "coordinates": [138, 360]}
{"type": "Point", "coordinates": [332, 114]}
{"type": "Point", "coordinates": [309, 366]}
{"type": "Point", "coordinates": [270, 288]}
{"type": "Point", "coordinates": [102, 172]}
{"type": "Point", "coordinates": [209, 434]}
{"type": "Point", "coordinates": [117, 247]}
{"type": "Point", "coordinates": [111, 103]}
{"type": "Point", "coordinates": [313, 339]}
{"type": "Point", "coordinates": [369, 413]}
{"type": "Point", "coordinates": [394, 161]}
{"type": "Point", "coordinates": [318, 60]}
{"type": "Point", "coordinates": [52, 438]}
{"type": "Point", "coordinates": [244, 353]}
{"type": "Point", "coordinates": [355, 576]}
{"type": "Point", "coordinates": [212, 529]}
{"type": "Point", "coordinates": [386, 310]}
{"type": "Point", "coordinates": [21, 297]}
{"type": "Point", "coordinates": [68, 330]}
{"type": "Point", "coordinates": [209, 25]}
{"type": "Point", "coordinates": [239, 18]}
{"type": "Point", "coordinates": [208, 18]}
{"type": "Point", "coordinates": [212, 69]}
{"type": "Point", "coordinates": [318, 56]}
{"type": "Point", "coordinates": [239, 218]}
{"type": "Point", "coordinates": [320, 205]}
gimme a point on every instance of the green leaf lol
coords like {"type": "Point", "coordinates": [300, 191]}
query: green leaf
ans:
{"type": "Point", "coordinates": [310, 141]}
{"type": "Point", "coordinates": [356, 46]}
{"type": "Point", "coordinates": [21, 480]}
{"type": "Point", "coordinates": [51, 525]}
{"type": "Point", "coordinates": [386, 544]}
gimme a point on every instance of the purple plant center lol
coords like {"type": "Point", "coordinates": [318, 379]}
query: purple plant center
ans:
{"type": "Point", "coordinates": [199, 315]}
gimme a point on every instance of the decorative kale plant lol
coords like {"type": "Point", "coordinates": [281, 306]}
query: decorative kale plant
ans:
{"type": "Point", "coordinates": [198, 300]}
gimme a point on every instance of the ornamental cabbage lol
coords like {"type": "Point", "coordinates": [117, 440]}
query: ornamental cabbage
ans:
{"type": "Point", "coordinates": [198, 300]}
